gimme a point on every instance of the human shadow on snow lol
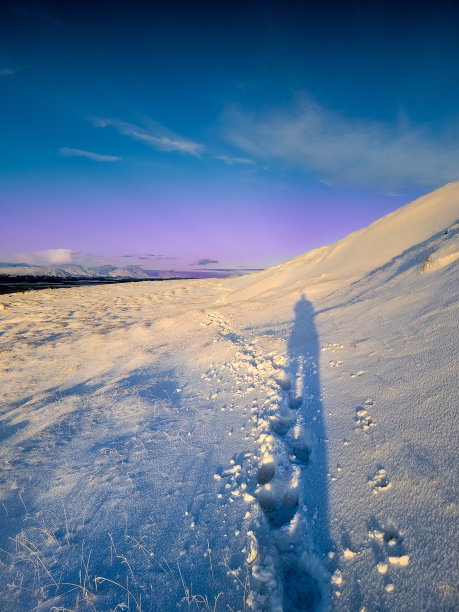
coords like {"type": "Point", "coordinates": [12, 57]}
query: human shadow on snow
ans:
{"type": "Point", "coordinates": [304, 358]}
{"type": "Point", "coordinates": [300, 524]}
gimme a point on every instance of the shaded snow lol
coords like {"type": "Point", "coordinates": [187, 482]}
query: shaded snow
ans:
{"type": "Point", "coordinates": [281, 441]}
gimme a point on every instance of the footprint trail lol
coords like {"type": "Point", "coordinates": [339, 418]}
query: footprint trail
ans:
{"type": "Point", "coordinates": [287, 572]}
{"type": "Point", "coordinates": [284, 481]}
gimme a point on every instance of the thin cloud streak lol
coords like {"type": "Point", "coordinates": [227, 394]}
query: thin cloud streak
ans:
{"type": "Point", "coordinates": [348, 152]}
{"type": "Point", "coordinates": [230, 161]}
{"type": "Point", "coordinates": [205, 262]}
{"type": "Point", "coordinates": [41, 258]}
{"type": "Point", "coordinates": [68, 152]}
{"type": "Point", "coordinates": [9, 70]}
{"type": "Point", "coordinates": [156, 136]}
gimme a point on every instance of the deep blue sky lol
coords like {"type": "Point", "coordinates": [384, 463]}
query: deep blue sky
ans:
{"type": "Point", "coordinates": [244, 133]}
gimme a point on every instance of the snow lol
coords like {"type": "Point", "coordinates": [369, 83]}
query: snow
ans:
{"type": "Point", "coordinates": [74, 271]}
{"type": "Point", "coordinates": [285, 440]}
{"type": "Point", "coordinates": [129, 272]}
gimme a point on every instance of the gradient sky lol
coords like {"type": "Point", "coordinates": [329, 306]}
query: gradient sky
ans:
{"type": "Point", "coordinates": [244, 133]}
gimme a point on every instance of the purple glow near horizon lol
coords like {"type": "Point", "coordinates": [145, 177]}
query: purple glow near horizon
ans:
{"type": "Point", "coordinates": [235, 134]}
{"type": "Point", "coordinates": [236, 229]}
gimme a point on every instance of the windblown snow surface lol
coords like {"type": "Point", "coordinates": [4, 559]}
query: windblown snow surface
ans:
{"type": "Point", "coordinates": [281, 441]}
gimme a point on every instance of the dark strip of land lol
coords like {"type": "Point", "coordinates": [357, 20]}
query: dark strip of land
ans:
{"type": "Point", "coordinates": [15, 284]}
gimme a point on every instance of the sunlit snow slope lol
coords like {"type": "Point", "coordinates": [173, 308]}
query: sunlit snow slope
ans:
{"type": "Point", "coordinates": [282, 441]}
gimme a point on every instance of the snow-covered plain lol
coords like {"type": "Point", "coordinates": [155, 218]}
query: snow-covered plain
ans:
{"type": "Point", "coordinates": [281, 441]}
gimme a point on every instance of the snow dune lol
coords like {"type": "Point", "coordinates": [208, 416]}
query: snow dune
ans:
{"type": "Point", "coordinates": [285, 440]}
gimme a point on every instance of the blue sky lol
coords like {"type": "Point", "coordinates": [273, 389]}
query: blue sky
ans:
{"type": "Point", "coordinates": [242, 133]}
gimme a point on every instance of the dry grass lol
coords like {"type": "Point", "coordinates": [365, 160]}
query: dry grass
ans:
{"type": "Point", "coordinates": [53, 568]}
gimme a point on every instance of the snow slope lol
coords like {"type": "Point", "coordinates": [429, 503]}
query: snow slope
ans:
{"type": "Point", "coordinates": [286, 440]}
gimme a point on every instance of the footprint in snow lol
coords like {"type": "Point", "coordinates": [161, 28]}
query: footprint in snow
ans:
{"type": "Point", "coordinates": [380, 481]}
{"type": "Point", "coordinates": [363, 420]}
{"type": "Point", "coordinates": [278, 502]}
{"type": "Point", "coordinates": [266, 471]}
{"type": "Point", "coordinates": [284, 382]}
{"type": "Point", "coordinates": [295, 400]}
{"type": "Point", "coordinates": [301, 589]}
{"type": "Point", "coordinates": [281, 424]}
{"type": "Point", "coordinates": [391, 536]}
{"type": "Point", "coordinates": [391, 552]}
{"type": "Point", "coordinates": [300, 445]}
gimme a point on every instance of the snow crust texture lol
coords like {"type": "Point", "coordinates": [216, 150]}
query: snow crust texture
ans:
{"type": "Point", "coordinates": [281, 441]}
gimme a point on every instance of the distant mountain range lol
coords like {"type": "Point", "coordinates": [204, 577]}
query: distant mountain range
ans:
{"type": "Point", "coordinates": [76, 271]}
{"type": "Point", "coordinates": [72, 271]}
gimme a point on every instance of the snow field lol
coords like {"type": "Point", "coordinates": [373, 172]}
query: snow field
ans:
{"type": "Point", "coordinates": [282, 441]}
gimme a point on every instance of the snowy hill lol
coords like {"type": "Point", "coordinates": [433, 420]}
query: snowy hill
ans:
{"type": "Point", "coordinates": [65, 271]}
{"type": "Point", "coordinates": [416, 225]}
{"type": "Point", "coordinates": [285, 440]}
{"type": "Point", "coordinates": [74, 271]}
{"type": "Point", "coordinates": [129, 272]}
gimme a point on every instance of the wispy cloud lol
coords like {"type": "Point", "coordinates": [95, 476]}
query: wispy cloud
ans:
{"type": "Point", "coordinates": [235, 160]}
{"type": "Point", "coordinates": [69, 256]}
{"type": "Point", "coordinates": [352, 152]}
{"type": "Point", "coordinates": [68, 152]}
{"type": "Point", "coordinates": [204, 262]}
{"type": "Point", "coordinates": [155, 135]}
{"type": "Point", "coordinates": [40, 258]}
{"type": "Point", "coordinates": [9, 70]}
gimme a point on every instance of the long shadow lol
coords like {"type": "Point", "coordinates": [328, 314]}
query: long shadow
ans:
{"type": "Point", "coordinates": [304, 357]}
{"type": "Point", "coordinates": [304, 399]}
{"type": "Point", "coordinates": [293, 491]}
